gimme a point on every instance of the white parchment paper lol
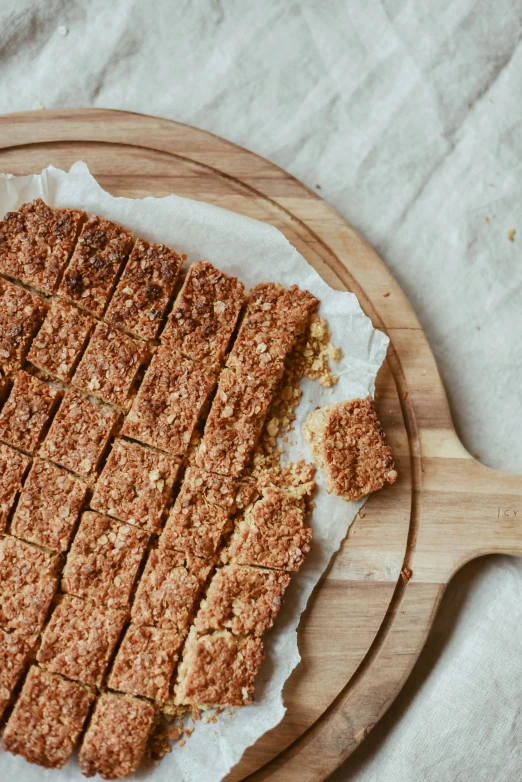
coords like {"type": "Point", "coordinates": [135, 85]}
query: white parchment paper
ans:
{"type": "Point", "coordinates": [254, 252]}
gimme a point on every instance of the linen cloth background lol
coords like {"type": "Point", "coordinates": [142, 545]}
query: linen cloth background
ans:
{"type": "Point", "coordinates": [408, 114]}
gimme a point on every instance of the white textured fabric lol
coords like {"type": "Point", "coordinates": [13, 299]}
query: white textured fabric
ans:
{"type": "Point", "coordinates": [409, 117]}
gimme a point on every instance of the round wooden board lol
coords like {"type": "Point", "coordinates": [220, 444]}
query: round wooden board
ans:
{"type": "Point", "coordinates": [365, 624]}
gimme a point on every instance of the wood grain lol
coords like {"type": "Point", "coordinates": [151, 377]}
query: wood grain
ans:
{"type": "Point", "coordinates": [365, 625]}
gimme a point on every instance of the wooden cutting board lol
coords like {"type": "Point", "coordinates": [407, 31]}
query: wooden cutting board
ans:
{"type": "Point", "coordinates": [365, 624]}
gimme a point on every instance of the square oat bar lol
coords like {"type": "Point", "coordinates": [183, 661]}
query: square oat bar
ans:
{"type": "Point", "coordinates": [109, 366]}
{"type": "Point", "coordinates": [57, 347]}
{"type": "Point", "coordinates": [13, 466]}
{"type": "Point", "coordinates": [260, 354]}
{"type": "Point", "coordinates": [193, 526]}
{"type": "Point", "coordinates": [27, 411]}
{"type": "Point", "coordinates": [169, 401]}
{"type": "Point", "coordinates": [219, 490]}
{"type": "Point", "coordinates": [271, 307]}
{"type": "Point", "coordinates": [135, 485]}
{"type": "Point", "coordinates": [47, 719]}
{"type": "Point", "coordinates": [104, 560]}
{"type": "Point", "coordinates": [145, 662]}
{"type": "Point", "coordinates": [15, 650]}
{"type": "Point", "coordinates": [168, 589]}
{"type": "Point", "coordinates": [144, 290]}
{"type": "Point", "coordinates": [36, 242]}
{"type": "Point", "coordinates": [49, 506]}
{"type": "Point", "coordinates": [21, 313]}
{"type": "Point", "coordinates": [28, 582]}
{"type": "Point", "coordinates": [218, 669]}
{"type": "Point", "coordinates": [79, 639]}
{"type": "Point", "coordinates": [116, 737]}
{"type": "Point", "coordinates": [96, 261]}
{"type": "Point", "coordinates": [204, 314]}
{"type": "Point", "coordinates": [79, 434]}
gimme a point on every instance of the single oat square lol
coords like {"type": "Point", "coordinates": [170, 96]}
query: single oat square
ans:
{"type": "Point", "coordinates": [244, 600]}
{"type": "Point", "coordinates": [349, 445]}
{"type": "Point", "coordinates": [135, 485]}
{"type": "Point", "coordinates": [194, 526]}
{"type": "Point", "coordinates": [270, 306]}
{"type": "Point", "coordinates": [104, 560]}
{"type": "Point", "coordinates": [13, 466]}
{"type": "Point", "coordinates": [57, 347]}
{"type": "Point", "coordinates": [219, 490]}
{"type": "Point", "coordinates": [15, 650]}
{"type": "Point", "coordinates": [79, 639]}
{"type": "Point", "coordinates": [168, 589]}
{"type": "Point", "coordinates": [169, 401]}
{"type": "Point", "coordinates": [79, 434]}
{"type": "Point", "coordinates": [28, 582]}
{"type": "Point", "coordinates": [25, 414]}
{"type": "Point", "coordinates": [204, 314]}
{"type": "Point", "coordinates": [144, 290]}
{"type": "Point", "coordinates": [47, 719]}
{"type": "Point", "coordinates": [116, 736]}
{"type": "Point", "coordinates": [145, 662]}
{"type": "Point", "coordinates": [21, 313]}
{"type": "Point", "coordinates": [218, 669]}
{"type": "Point", "coordinates": [36, 243]}
{"type": "Point", "coordinates": [260, 354]}
{"type": "Point", "coordinates": [49, 506]}
{"type": "Point", "coordinates": [96, 261]}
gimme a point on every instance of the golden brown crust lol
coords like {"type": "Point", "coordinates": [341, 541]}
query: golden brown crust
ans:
{"type": "Point", "coordinates": [21, 313]}
{"type": "Point", "coordinates": [15, 650]}
{"type": "Point", "coordinates": [57, 347]}
{"type": "Point", "coordinates": [26, 413]}
{"type": "Point", "coordinates": [13, 466]}
{"type": "Point", "coordinates": [272, 307]}
{"type": "Point", "coordinates": [194, 526]}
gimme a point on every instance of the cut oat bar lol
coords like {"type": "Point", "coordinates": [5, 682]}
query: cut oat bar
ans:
{"type": "Point", "coordinates": [79, 639]}
{"type": "Point", "coordinates": [219, 490]}
{"type": "Point", "coordinates": [98, 256]}
{"type": "Point", "coordinates": [168, 589]}
{"type": "Point", "coordinates": [169, 401]}
{"type": "Point", "coordinates": [270, 306]}
{"type": "Point", "coordinates": [49, 506]}
{"type": "Point", "coordinates": [47, 719]}
{"type": "Point", "coordinates": [135, 485]}
{"type": "Point", "coordinates": [26, 413]}
{"type": "Point", "coordinates": [79, 434]}
{"type": "Point", "coordinates": [204, 314]}
{"type": "Point", "coordinates": [104, 560]}
{"type": "Point", "coordinates": [36, 242]}
{"type": "Point", "coordinates": [27, 585]}
{"type": "Point", "coordinates": [218, 669]}
{"type": "Point", "coordinates": [244, 600]}
{"type": "Point", "coordinates": [349, 445]}
{"type": "Point", "coordinates": [144, 290]}
{"type": "Point", "coordinates": [21, 313]}
{"type": "Point", "coordinates": [272, 534]}
{"type": "Point", "coordinates": [57, 347]}
{"type": "Point", "coordinates": [194, 526]}
{"type": "Point", "coordinates": [234, 423]}
{"type": "Point", "coordinates": [145, 662]}
{"type": "Point", "coordinates": [15, 650]}
{"type": "Point", "coordinates": [116, 736]}
{"type": "Point", "coordinates": [13, 466]}
{"type": "Point", "coordinates": [259, 353]}
{"type": "Point", "coordinates": [109, 366]}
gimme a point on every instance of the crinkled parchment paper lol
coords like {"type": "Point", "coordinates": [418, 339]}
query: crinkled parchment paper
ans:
{"type": "Point", "coordinates": [255, 252]}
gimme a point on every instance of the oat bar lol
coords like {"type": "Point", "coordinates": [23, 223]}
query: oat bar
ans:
{"type": "Point", "coordinates": [194, 526]}
{"type": "Point", "coordinates": [79, 434]}
{"type": "Point", "coordinates": [49, 506]}
{"type": "Point", "coordinates": [144, 290]}
{"type": "Point", "coordinates": [135, 485]}
{"type": "Point", "coordinates": [109, 366]}
{"type": "Point", "coordinates": [204, 314]}
{"type": "Point", "coordinates": [244, 600]}
{"type": "Point", "coordinates": [349, 445]}
{"type": "Point", "coordinates": [79, 639]}
{"type": "Point", "coordinates": [168, 589]}
{"type": "Point", "coordinates": [145, 662]}
{"type": "Point", "coordinates": [21, 313]}
{"type": "Point", "coordinates": [27, 585]}
{"type": "Point", "coordinates": [36, 242]}
{"type": "Point", "coordinates": [103, 561]}
{"type": "Point", "coordinates": [26, 413]}
{"type": "Point", "coordinates": [15, 650]}
{"type": "Point", "coordinates": [218, 669]}
{"type": "Point", "coordinates": [57, 347]}
{"type": "Point", "coordinates": [260, 354]}
{"type": "Point", "coordinates": [272, 307]}
{"type": "Point", "coordinates": [47, 719]}
{"type": "Point", "coordinates": [169, 401]}
{"type": "Point", "coordinates": [13, 466]}
{"type": "Point", "coordinates": [116, 736]}
{"type": "Point", "coordinates": [216, 489]}
{"type": "Point", "coordinates": [98, 256]}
